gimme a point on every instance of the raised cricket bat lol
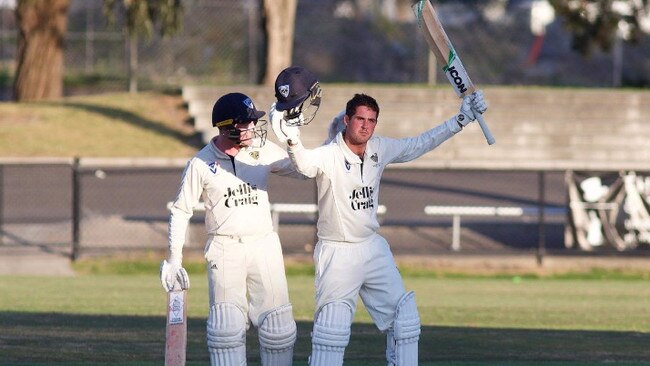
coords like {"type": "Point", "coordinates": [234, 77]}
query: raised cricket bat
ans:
{"type": "Point", "coordinates": [176, 334]}
{"type": "Point", "coordinates": [446, 55]}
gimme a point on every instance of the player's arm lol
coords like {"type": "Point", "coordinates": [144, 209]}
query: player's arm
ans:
{"type": "Point", "coordinates": [306, 161]}
{"type": "Point", "coordinates": [407, 149]}
{"type": "Point", "coordinates": [281, 164]}
{"type": "Point", "coordinates": [172, 273]}
{"type": "Point", "coordinates": [303, 160]}
{"type": "Point", "coordinates": [336, 126]}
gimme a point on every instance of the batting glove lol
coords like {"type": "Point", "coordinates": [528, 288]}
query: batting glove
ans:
{"type": "Point", "coordinates": [472, 105]}
{"type": "Point", "coordinates": [283, 132]}
{"type": "Point", "coordinates": [173, 276]}
{"type": "Point", "coordinates": [478, 103]}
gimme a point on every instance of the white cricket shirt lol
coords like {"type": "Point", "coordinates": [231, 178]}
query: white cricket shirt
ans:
{"type": "Point", "coordinates": [348, 187]}
{"type": "Point", "coordinates": [233, 190]}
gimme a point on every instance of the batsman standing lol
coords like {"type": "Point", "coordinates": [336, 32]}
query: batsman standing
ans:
{"type": "Point", "coordinates": [351, 258]}
{"type": "Point", "coordinates": [246, 275]}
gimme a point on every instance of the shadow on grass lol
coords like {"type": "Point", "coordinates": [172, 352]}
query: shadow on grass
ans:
{"type": "Point", "coordinates": [69, 339]}
{"type": "Point", "coordinates": [138, 121]}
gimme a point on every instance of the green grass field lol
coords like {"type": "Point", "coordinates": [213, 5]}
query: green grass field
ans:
{"type": "Point", "coordinates": [108, 125]}
{"type": "Point", "coordinates": [95, 319]}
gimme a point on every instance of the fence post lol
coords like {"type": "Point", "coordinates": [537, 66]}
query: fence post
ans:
{"type": "Point", "coordinates": [76, 208]}
{"type": "Point", "coordinates": [2, 205]}
{"type": "Point", "coordinates": [541, 244]}
{"type": "Point", "coordinates": [253, 41]}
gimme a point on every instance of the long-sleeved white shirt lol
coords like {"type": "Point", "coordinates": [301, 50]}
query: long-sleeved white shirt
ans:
{"type": "Point", "coordinates": [348, 187]}
{"type": "Point", "coordinates": [233, 190]}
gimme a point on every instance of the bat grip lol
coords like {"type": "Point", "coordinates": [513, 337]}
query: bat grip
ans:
{"type": "Point", "coordinates": [486, 131]}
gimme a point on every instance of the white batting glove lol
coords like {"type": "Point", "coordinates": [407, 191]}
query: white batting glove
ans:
{"type": "Point", "coordinates": [478, 103]}
{"type": "Point", "coordinates": [472, 105]}
{"type": "Point", "coordinates": [282, 131]}
{"type": "Point", "coordinates": [173, 276]}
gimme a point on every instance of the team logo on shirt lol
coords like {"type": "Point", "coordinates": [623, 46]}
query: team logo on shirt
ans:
{"type": "Point", "coordinates": [254, 154]}
{"type": "Point", "coordinates": [347, 165]}
{"type": "Point", "coordinates": [213, 167]}
{"type": "Point", "coordinates": [241, 195]}
{"type": "Point", "coordinates": [362, 198]}
{"type": "Point", "coordinates": [375, 159]}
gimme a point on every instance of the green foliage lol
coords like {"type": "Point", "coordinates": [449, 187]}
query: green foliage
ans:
{"type": "Point", "coordinates": [4, 77]}
{"type": "Point", "coordinates": [594, 23]}
{"type": "Point", "coordinates": [142, 16]}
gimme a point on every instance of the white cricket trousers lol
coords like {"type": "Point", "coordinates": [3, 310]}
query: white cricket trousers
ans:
{"type": "Point", "coordinates": [247, 272]}
{"type": "Point", "coordinates": [346, 270]}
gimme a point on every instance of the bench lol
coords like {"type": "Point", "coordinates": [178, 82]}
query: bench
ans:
{"type": "Point", "coordinates": [498, 211]}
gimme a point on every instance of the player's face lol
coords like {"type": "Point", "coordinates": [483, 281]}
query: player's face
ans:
{"type": "Point", "coordinates": [361, 126]}
{"type": "Point", "coordinates": [246, 133]}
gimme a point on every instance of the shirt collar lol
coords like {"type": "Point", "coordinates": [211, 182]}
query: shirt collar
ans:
{"type": "Point", "coordinates": [218, 153]}
{"type": "Point", "coordinates": [351, 157]}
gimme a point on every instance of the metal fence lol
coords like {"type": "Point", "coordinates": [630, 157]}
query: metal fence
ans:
{"type": "Point", "coordinates": [222, 42]}
{"type": "Point", "coordinates": [87, 207]}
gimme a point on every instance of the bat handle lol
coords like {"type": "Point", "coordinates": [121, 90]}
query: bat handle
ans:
{"type": "Point", "coordinates": [486, 131]}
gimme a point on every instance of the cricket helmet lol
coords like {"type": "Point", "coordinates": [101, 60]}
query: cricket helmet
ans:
{"type": "Point", "coordinates": [237, 108]}
{"type": "Point", "coordinates": [298, 94]}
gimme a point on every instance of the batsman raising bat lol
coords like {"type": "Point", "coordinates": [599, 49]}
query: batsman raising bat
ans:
{"type": "Point", "coordinates": [246, 275]}
{"type": "Point", "coordinates": [351, 259]}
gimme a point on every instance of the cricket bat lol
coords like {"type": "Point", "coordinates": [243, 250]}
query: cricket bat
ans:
{"type": "Point", "coordinates": [446, 55]}
{"type": "Point", "coordinates": [176, 334]}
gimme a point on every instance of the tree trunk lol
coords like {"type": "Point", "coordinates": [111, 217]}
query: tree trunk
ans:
{"type": "Point", "coordinates": [280, 18]}
{"type": "Point", "coordinates": [42, 25]}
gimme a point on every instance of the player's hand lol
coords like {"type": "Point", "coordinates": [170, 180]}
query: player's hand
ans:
{"type": "Point", "coordinates": [173, 276]}
{"type": "Point", "coordinates": [472, 105]}
{"type": "Point", "coordinates": [279, 125]}
{"type": "Point", "coordinates": [478, 103]}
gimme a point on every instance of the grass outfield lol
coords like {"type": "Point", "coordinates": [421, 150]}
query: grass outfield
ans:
{"type": "Point", "coordinates": [147, 124]}
{"type": "Point", "coordinates": [95, 319]}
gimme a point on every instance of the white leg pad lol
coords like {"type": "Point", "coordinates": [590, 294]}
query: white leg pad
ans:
{"type": "Point", "coordinates": [226, 335]}
{"type": "Point", "coordinates": [403, 337]}
{"type": "Point", "coordinates": [277, 334]}
{"type": "Point", "coordinates": [331, 334]}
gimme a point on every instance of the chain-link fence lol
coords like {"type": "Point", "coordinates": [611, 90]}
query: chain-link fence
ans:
{"type": "Point", "coordinates": [90, 208]}
{"type": "Point", "coordinates": [342, 41]}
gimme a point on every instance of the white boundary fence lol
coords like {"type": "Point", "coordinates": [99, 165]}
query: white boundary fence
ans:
{"type": "Point", "coordinates": [504, 211]}
{"type": "Point", "coordinates": [97, 188]}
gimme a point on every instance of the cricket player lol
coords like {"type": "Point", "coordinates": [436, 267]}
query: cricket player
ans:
{"type": "Point", "coordinates": [351, 258]}
{"type": "Point", "coordinates": [246, 275]}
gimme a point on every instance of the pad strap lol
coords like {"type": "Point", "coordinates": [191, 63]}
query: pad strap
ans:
{"type": "Point", "coordinates": [277, 330]}
{"type": "Point", "coordinates": [402, 338]}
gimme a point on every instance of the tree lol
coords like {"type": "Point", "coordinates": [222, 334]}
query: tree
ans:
{"type": "Point", "coordinates": [598, 23]}
{"type": "Point", "coordinates": [279, 20]}
{"type": "Point", "coordinates": [141, 17]}
{"type": "Point", "coordinates": [41, 29]}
